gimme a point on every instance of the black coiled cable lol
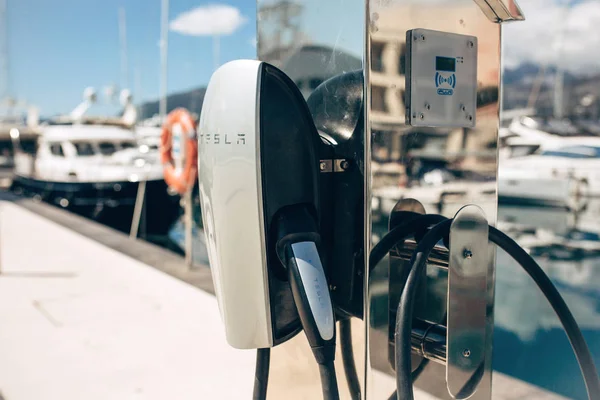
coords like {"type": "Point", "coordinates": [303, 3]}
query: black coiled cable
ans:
{"type": "Point", "coordinates": [406, 306]}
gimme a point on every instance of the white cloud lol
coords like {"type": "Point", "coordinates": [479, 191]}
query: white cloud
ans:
{"type": "Point", "coordinates": [214, 19]}
{"type": "Point", "coordinates": [554, 34]}
{"type": "Point", "coordinates": [253, 42]}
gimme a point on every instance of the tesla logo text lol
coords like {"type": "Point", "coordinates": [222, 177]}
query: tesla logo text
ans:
{"type": "Point", "coordinates": [319, 292]}
{"type": "Point", "coordinates": [227, 138]}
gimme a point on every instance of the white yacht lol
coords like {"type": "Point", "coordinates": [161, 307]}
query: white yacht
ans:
{"type": "Point", "coordinates": [562, 172]}
{"type": "Point", "coordinates": [92, 163]}
{"type": "Point", "coordinates": [439, 192]}
{"type": "Point", "coordinates": [149, 131]}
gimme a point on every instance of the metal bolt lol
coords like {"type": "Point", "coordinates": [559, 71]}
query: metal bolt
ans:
{"type": "Point", "coordinates": [468, 254]}
{"type": "Point", "coordinates": [470, 44]}
{"type": "Point", "coordinates": [345, 165]}
{"type": "Point", "coordinates": [422, 116]}
{"type": "Point", "coordinates": [322, 165]}
{"type": "Point", "coordinates": [466, 353]}
{"type": "Point", "coordinates": [427, 106]}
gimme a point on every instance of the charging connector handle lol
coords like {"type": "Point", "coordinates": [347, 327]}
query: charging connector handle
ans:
{"type": "Point", "coordinates": [311, 295]}
{"type": "Point", "coordinates": [297, 250]}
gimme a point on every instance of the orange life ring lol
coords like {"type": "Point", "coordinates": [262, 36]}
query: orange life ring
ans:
{"type": "Point", "coordinates": [179, 177]}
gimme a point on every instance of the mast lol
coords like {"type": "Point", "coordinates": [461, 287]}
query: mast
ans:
{"type": "Point", "coordinates": [560, 73]}
{"type": "Point", "coordinates": [4, 89]}
{"type": "Point", "coordinates": [123, 48]}
{"type": "Point", "coordinates": [164, 32]}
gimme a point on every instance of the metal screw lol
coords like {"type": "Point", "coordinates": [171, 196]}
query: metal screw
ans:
{"type": "Point", "coordinates": [466, 353]}
{"type": "Point", "coordinates": [470, 44]}
{"type": "Point", "coordinates": [468, 254]}
{"type": "Point", "coordinates": [322, 166]}
{"type": "Point", "coordinates": [427, 106]}
{"type": "Point", "coordinates": [422, 38]}
{"type": "Point", "coordinates": [421, 116]}
{"type": "Point", "coordinates": [345, 165]}
{"type": "Point", "coordinates": [470, 117]}
{"type": "Point", "coordinates": [463, 108]}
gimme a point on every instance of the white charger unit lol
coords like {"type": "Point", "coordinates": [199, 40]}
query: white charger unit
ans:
{"type": "Point", "coordinates": [259, 188]}
{"type": "Point", "coordinates": [228, 157]}
{"type": "Point", "coordinates": [441, 79]}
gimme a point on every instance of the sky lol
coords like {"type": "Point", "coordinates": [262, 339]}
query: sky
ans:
{"type": "Point", "coordinates": [57, 48]}
{"type": "Point", "coordinates": [564, 32]}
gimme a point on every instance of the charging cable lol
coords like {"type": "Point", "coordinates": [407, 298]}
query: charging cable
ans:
{"type": "Point", "coordinates": [406, 306]}
{"type": "Point", "coordinates": [261, 374]}
{"type": "Point", "coordinates": [348, 359]}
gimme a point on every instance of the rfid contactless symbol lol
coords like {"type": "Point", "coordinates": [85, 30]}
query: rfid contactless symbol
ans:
{"type": "Point", "coordinates": [441, 80]}
{"type": "Point", "coordinates": [449, 81]}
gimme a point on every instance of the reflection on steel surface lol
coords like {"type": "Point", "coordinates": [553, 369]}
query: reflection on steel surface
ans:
{"type": "Point", "coordinates": [443, 168]}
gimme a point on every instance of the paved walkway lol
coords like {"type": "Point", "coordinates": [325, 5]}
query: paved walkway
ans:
{"type": "Point", "coordinates": [80, 320]}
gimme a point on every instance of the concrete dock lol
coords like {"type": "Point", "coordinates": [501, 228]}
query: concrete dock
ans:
{"type": "Point", "coordinates": [87, 313]}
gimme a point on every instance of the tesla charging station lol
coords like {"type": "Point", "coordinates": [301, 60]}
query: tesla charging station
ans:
{"type": "Point", "coordinates": [354, 118]}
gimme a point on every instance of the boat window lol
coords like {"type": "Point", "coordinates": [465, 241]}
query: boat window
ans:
{"type": "Point", "coordinates": [84, 148]}
{"type": "Point", "coordinates": [56, 149]}
{"type": "Point", "coordinates": [574, 152]}
{"type": "Point", "coordinates": [29, 146]}
{"type": "Point", "coordinates": [107, 148]}
{"type": "Point", "coordinates": [127, 145]}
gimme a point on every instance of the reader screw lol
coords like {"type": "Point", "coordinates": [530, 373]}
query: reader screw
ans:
{"type": "Point", "coordinates": [468, 254]}
{"type": "Point", "coordinates": [422, 116]}
{"type": "Point", "coordinates": [427, 106]}
{"type": "Point", "coordinates": [322, 165]}
{"type": "Point", "coordinates": [470, 44]}
{"type": "Point", "coordinates": [466, 353]}
{"type": "Point", "coordinates": [345, 165]}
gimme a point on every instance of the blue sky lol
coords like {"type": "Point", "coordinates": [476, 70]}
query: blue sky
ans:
{"type": "Point", "coordinates": [57, 48]}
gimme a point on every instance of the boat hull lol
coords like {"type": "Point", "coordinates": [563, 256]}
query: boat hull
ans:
{"type": "Point", "coordinates": [111, 203]}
